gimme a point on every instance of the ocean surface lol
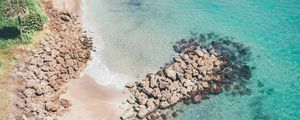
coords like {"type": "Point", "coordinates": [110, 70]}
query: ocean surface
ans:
{"type": "Point", "coordinates": [137, 38]}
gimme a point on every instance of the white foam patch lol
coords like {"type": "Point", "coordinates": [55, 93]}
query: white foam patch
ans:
{"type": "Point", "coordinates": [96, 67]}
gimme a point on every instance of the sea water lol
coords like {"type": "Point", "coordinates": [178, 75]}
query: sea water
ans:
{"type": "Point", "coordinates": [137, 38]}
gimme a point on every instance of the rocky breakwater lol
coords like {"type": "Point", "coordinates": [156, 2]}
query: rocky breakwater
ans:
{"type": "Point", "coordinates": [191, 76]}
{"type": "Point", "coordinates": [44, 72]}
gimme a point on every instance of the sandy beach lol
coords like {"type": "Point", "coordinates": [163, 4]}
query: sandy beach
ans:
{"type": "Point", "coordinates": [90, 101]}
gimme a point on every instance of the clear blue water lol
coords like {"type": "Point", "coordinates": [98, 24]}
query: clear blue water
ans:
{"type": "Point", "coordinates": [138, 39]}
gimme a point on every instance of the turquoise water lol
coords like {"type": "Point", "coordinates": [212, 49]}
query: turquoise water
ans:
{"type": "Point", "coordinates": [139, 34]}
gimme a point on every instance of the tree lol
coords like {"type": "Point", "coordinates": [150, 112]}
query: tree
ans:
{"type": "Point", "coordinates": [16, 9]}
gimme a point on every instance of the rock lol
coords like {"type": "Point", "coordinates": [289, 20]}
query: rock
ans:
{"type": "Point", "coordinates": [199, 53]}
{"type": "Point", "coordinates": [166, 94]}
{"type": "Point", "coordinates": [141, 98]}
{"type": "Point", "coordinates": [131, 100]}
{"type": "Point", "coordinates": [153, 82]}
{"type": "Point", "coordinates": [171, 73]}
{"type": "Point", "coordinates": [129, 85]}
{"type": "Point", "coordinates": [164, 105]}
{"type": "Point", "coordinates": [51, 106]}
{"type": "Point", "coordinates": [65, 18]}
{"type": "Point", "coordinates": [195, 72]}
{"type": "Point", "coordinates": [174, 98]}
{"type": "Point", "coordinates": [185, 57]}
{"type": "Point", "coordinates": [183, 91]}
{"type": "Point", "coordinates": [47, 49]}
{"type": "Point", "coordinates": [150, 104]}
{"type": "Point", "coordinates": [142, 112]}
{"type": "Point", "coordinates": [65, 103]}
{"type": "Point", "coordinates": [205, 85]}
{"type": "Point", "coordinates": [60, 60]}
{"type": "Point", "coordinates": [156, 93]}
{"type": "Point", "coordinates": [177, 59]}
{"type": "Point", "coordinates": [197, 99]}
{"type": "Point", "coordinates": [29, 92]}
{"type": "Point", "coordinates": [45, 68]}
{"type": "Point", "coordinates": [174, 114]}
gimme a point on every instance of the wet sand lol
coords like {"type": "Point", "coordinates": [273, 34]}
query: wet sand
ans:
{"type": "Point", "coordinates": [91, 101]}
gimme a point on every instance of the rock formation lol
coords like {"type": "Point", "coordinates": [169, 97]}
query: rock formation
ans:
{"type": "Point", "coordinates": [190, 76]}
{"type": "Point", "coordinates": [42, 75]}
{"type": "Point", "coordinates": [205, 65]}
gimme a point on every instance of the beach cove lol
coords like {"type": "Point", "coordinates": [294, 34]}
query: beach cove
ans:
{"type": "Point", "coordinates": [102, 55]}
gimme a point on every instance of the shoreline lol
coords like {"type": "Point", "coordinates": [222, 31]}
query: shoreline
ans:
{"type": "Point", "coordinates": [43, 77]}
{"type": "Point", "coordinates": [99, 100]}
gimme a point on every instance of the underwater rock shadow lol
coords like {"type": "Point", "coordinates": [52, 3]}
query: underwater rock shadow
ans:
{"type": "Point", "coordinates": [9, 33]}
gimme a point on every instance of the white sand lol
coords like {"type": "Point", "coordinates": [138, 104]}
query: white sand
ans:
{"type": "Point", "coordinates": [92, 101]}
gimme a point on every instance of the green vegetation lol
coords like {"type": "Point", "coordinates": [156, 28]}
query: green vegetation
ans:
{"type": "Point", "coordinates": [16, 15]}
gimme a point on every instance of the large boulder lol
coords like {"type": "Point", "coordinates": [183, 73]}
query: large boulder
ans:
{"type": "Point", "coordinates": [153, 81]}
{"type": "Point", "coordinates": [142, 112]}
{"type": "Point", "coordinates": [174, 98]}
{"type": "Point", "coordinates": [29, 92]}
{"type": "Point", "coordinates": [52, 107]}
{"type": "Point", "coordinates": [156, 93]}
{"type": "Point", "coordinates": [170, 73]}
{"type": "Point", "coordinates": [164, 105]}
{"type": "Point", "coordinates": [141, 98]}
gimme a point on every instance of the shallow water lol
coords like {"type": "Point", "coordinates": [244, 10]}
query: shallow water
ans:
{"type": "Point", "coordinates": [138, 36]}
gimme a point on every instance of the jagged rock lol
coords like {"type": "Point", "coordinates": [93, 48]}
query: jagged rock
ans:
{"type": "Point", "coordinates": [29, 92]}
{"type": "Point", "coordinates": [51, 106]}
{"type": "Point", "coordinates": [164, 105]}
{"type": "Point", "coordinates": [60, 60]}
{"type": "Point", "coordinates": [199, 52]}
{"type": "Point", "coordinates": [65, 103]}
{"type": "Point", "coordinates": [165, 94]}
{"type": "Point", "coordinates": [131, 100]}
{"type": "Point", "coordinates": [174, 98]}
{"type": "Point", "coordinates": [141, 98]}
{"type": "Point", "coordinates": [205, 85]}
{"type": "Point", "coordinates": [142, 112]}
{"type": "Point", "coordinates": [153, 82]}
{"type": "Point", "coordinates": [156, 93]}
{"type": "Point", "coordinates": [151, 104]}
{"type": "Point", "coordinates": [171, 73]}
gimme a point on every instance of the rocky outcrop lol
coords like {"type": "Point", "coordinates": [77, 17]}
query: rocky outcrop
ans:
{"type": "Point", "coordinates": [43, 74]}
{"type": "Point", "coordinates": [191, 75]}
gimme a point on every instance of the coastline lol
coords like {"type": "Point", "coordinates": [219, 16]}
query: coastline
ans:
{"type": "Point", "coordinates": [43, 77]}
{"type": "Point", "coordinates": [93, 100]}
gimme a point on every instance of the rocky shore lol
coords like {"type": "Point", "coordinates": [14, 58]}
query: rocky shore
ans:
{"type": "Point", "coordinates": [206, 64]}
{"type": "Point", "coordinates": [42, 75]}
{"type": "Point", "coordinates": [192, 76]}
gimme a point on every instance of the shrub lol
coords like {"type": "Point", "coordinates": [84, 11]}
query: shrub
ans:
{"type": "Point", "coordinates": [32, 22]}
